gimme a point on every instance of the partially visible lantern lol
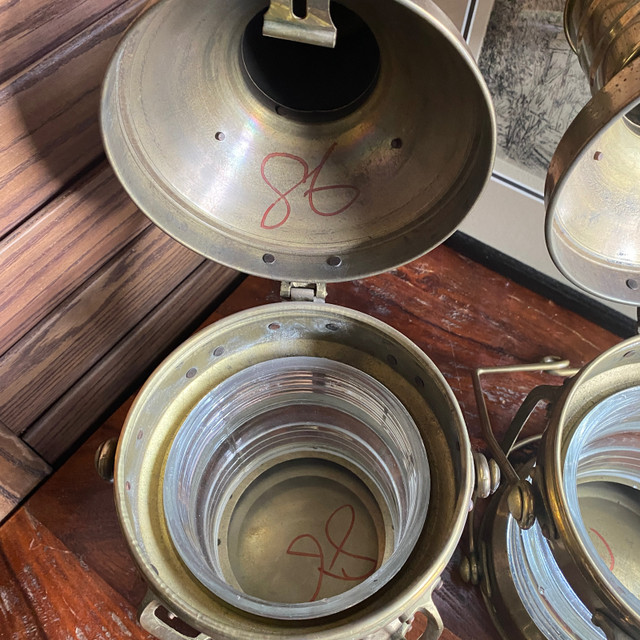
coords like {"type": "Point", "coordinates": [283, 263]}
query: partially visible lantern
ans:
{"type": "Point", "coordinates": [557, 554]}
{"type": "Point", "coordinates": [557, 551]}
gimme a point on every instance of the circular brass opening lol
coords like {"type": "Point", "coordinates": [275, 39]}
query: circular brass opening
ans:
{"type": "Point", "coordinates": [309, 82]}
{"type": "Point", "coordinates": [323, 515]}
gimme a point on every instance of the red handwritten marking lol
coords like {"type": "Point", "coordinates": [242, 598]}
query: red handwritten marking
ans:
{"type": "Point", "coordinates": [612, 561]}
{"type": "Point", "coordinates": [322, 571]}
{"type": "Point", "coordinates": [309, 193]}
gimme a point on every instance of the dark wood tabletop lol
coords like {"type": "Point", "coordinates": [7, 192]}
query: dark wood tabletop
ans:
{"type": "Point", "coordinates": [64, 567]}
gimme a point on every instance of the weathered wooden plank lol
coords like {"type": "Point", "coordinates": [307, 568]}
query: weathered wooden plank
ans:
{"type": "Point", "coordinates": [39, 368]}
{"type": "Point", "coordinates": [49, 118]}
{"type": "Point", "coordinates": [21, 469]}
{"type": "Point", "coordinates": [48, 593]}
{"type": "Point", "coordinates": [78, 508]}
{"type": "Point", "coordinates": [140, 350]}
{"type": "Point", "coordinates": [56, 250]}
{"type": "Point", "coordinates": [30, 29]}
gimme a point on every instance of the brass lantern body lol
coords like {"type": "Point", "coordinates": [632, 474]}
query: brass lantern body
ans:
{"type": "Point", "coordinates": [209, 131]}
{"type": "Point", "coordinates": [572, 573]}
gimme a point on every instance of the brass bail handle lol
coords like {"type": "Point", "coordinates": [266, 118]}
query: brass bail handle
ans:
{"type": "Point", "coordinates": [520, 497]}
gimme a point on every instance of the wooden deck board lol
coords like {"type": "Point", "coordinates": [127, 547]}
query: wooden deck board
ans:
{"type": "Point", "coordinates": [60, 247]}
{"type": "Point", "coordinates": [38, 369]}
{"type": "Point", "coordinates": [49, 129]}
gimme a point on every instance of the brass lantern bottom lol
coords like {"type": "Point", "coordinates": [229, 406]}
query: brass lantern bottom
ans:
{"type": "Point", "coordinates": [575, 574]}
{"type": "Point", "coordinates": [281, 445]}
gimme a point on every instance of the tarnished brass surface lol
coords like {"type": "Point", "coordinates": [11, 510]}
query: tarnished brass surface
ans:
{"type": "Point", "coordinates": [503, 602]}
{"type": "Point", "coordinates": [273, 331]}
{"type": "Point", "coordinates": [605, 34]}
{"type": "Point", "coordinates": [592, 192]}
{"type": "Point", "coordinates": [616, 369]}
{"type": "Point", "coordinates": [327, 191]}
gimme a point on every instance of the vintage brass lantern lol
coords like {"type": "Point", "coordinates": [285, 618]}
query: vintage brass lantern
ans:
{"type": "Point", "coordinates": [556, 555]}
{"type": "Point", "coordinates": [297, 470]}
{"type": "Point", "coordinates": [592, 195]}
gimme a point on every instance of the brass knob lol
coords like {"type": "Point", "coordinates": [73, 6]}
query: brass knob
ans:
{"type": "Point", "coordinates": [487, 475]}
{"type": "Point", "coordinates": [470, 569]}
{"type": "Point", "coordinates": [520, 502]}
{"type": "Point", "coordinates": [105, 459]}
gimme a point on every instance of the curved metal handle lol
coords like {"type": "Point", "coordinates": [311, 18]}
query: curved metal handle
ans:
{"type": "Point", "coordinates": [150, 622]}
{"type": "Point", "coordinates": [520, 498]}
{"type": "Point", "coordinates": [434, 627]}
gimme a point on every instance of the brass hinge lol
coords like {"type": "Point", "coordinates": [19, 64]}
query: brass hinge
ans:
{"type": "Point", "coordinates": [303, 291]}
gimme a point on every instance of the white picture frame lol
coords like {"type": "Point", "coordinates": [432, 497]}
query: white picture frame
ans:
{"type": "Point", "coordinates": [509, 215]}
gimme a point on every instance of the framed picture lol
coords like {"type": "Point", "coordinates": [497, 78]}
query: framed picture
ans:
{"type": "Point", "coordinates": [535, 81]}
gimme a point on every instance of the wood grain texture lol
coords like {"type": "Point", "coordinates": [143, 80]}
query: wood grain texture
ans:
{"type": "Point", "coordinates": [141, 349]}
{"type": "Point", "coordinates": [78, 508]}
{"type": "Point", "coordinates": [48, 593]}
{"type": "Point", "coordinates": [60, 247]}
{"type": "Point", "coordinates": [40, 368]}
{"type": "Point", "coordinates": [29, 29]}
{"type": "Point", "coordinates": [49, 128]}
{"type": "Point", "coordinates": [21, 469]}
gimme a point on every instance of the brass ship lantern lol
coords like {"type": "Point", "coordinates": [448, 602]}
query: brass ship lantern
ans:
{"type": "Point", "coordinates": [298, 470]}
{"type": "Point", "coordinates": [557, 552]}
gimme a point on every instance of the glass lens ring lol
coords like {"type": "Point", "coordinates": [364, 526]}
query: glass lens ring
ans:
{"type": "Point", "coordinates": [292, 409]}
{"type": "Point", "coordinates": [601, 482]}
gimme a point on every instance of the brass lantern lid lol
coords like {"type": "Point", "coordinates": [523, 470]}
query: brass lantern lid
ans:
{"type": "Point", "coordinates": [593, 193]}
{"type": "Point", "coordinates": [210, 131]}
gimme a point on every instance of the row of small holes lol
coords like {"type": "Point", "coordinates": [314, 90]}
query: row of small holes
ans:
{"type": "Point", "coordinates": [274, 326]}
{"type": "Point", "coordinates": [332, 261]}
{"type": "Point", "coordinates": [218, 351]}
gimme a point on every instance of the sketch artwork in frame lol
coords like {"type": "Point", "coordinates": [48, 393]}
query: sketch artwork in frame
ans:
{"type": "Point", "coordinates": [535, 81]}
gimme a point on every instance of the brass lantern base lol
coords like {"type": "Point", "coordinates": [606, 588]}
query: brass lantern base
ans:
{"type": "Point", "coordinates": [284, 331]}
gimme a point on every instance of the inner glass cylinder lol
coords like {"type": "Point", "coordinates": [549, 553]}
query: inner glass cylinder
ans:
{"type": "Point", "coordinates": [296, 488]}
{"type": "Point", "coordinates": [602, 483]}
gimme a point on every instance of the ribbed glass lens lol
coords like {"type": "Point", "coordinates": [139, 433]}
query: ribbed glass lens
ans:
{"type": "Point", "coordinates": [296, 488]}
{"type": "Point", "coordinates": [545, 593]}
{"type": "Point", "coordinates": [602, 483]}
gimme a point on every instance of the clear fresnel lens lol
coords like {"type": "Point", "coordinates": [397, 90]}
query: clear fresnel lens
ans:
{"type": "Point", "coordinates": [296, 488]}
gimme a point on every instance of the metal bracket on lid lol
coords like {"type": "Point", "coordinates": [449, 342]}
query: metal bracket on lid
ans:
{"type": "Point", "coordinates": [303, 291]}
{"type": "Point", "coordinates": [284, 20]}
